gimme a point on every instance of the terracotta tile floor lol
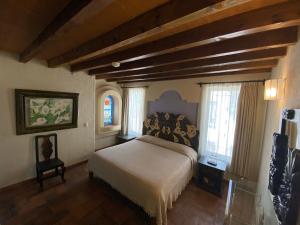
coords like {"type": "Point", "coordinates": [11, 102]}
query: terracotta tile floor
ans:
{"type": "Point", "coordinates": [81, 201]}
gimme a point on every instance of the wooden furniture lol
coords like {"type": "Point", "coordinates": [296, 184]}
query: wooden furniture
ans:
{"type": "Point", "coordinates": [243, 205]}
{"type": "Point", "coordinates": [143, 170]}
{"type": "Point", "coordinates": [44, 146]}
{"type": "Point", "coordinates": [210, 177]}
{"type": "Point", "coordinates": [125, 138]}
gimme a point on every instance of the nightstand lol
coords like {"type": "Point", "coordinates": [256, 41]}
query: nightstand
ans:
{"type": "Point", "coordinates": [125, 138]}
{"type": "Point", "coordinates": [210, 177]}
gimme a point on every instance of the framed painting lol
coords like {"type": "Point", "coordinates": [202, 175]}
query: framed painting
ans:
{"type": "Point", "coordinates": [39, 111]}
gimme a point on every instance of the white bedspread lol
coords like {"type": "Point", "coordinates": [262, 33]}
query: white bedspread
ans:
{"type": "Point", "coordinates": [149, 171]}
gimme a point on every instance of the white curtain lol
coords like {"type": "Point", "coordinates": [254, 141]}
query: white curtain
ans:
{"type": "Point", "coordinates": [136, 105]}
{"type": "Point", "coordinates": [124, 123]}
{"type": "Point", "coordinates": [218, 119]}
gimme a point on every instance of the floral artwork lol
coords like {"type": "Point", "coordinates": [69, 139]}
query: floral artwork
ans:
{"type": "Point", "coordinates": [41, 111]}
{"type": "Point", "coordinates": [48, 111]}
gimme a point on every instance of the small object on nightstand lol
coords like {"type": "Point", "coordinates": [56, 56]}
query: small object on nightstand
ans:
{"type": "Point", "coordinates": [212, 162]}
{"type": "Point", "coordinates": [210, 176]}
{"type": "Point", "coordinates": [126, 138]}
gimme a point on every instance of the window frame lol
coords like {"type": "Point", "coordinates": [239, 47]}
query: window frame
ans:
{"type": "Point", "coordinates": [206, 122]}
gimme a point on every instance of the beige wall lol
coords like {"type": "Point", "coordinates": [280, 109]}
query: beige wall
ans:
{"type": "Point", "coordinates": [17, 160]}
{"type": "Point", "coordinates": [189, 88]}
{"type": "Point", "coordinates": [288, 68]}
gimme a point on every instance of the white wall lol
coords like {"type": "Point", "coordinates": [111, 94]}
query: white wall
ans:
{"type": "Point", "coordinates": [17, 159]}
{"type": "Point", "coordinates": [288, 68]}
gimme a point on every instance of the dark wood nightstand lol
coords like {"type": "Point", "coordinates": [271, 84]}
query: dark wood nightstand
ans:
{"type": "Point", "coordinates": [210, 177]}
{"type": "Point", "coordinates": [125, 138]}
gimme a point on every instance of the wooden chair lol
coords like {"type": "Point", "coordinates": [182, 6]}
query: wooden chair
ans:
{"type": "Point", "coordinates": [46, 148]}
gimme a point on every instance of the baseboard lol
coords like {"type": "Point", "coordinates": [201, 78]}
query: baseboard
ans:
{"type": "Point", "coordinates": [77, 164]}
{"type": "Point", "coordinates": [29, 180]}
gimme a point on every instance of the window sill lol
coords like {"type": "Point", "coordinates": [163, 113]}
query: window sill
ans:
{"type": "Point", "coordinates": [109, 129]}
{"type": "Point", "coordinates": [107, 134]}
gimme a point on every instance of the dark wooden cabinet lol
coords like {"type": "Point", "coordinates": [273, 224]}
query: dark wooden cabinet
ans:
{"type": "Point", "coordinates": [211, 177]}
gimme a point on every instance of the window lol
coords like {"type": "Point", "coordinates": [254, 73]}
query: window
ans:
{"type": "Point", "coordinates": [108, 110]}
{"type": "Point", "coordinates": [218, 118]}
{"type": "Point", "coordinates": [136, 104]}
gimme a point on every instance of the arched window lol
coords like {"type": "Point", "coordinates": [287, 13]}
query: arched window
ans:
{"type": "Point", "coordinates": [108, 110]}
{"type": "Point", "coordinates": [108, 113]}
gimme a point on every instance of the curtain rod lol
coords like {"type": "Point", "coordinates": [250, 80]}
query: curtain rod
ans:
{"type": "Point", "coordinates": [135, 87]}
{"type": "Point", "coordinates": [231, 82]}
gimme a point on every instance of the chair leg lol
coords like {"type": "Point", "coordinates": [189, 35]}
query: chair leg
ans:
{"type": "Point", "coordinates": [37, 175]}
{"type": "Point", "coordinates": [63, 174]}
{"type": "Point", "coordinates": [40, 180]}
{"type": "Point", "coordinates": [91, 175]}
{"type": "Point", "coordinates": [41, 185]}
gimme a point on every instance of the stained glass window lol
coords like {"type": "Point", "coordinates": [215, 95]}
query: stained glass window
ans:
{"type": "Point", "coordinates": [108, 110]}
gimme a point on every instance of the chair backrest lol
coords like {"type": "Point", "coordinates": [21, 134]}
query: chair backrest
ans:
{"type": "Point", "coordinates": [44, 144]}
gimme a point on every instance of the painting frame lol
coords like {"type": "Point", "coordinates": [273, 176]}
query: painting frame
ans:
{"type": "Point", "coordinates": [21, 106]}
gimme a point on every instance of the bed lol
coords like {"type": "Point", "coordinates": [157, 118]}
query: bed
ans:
{"type": "Point", "coordinates": [154, 169]}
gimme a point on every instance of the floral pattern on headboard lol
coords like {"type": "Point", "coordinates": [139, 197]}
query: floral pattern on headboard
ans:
{"type": "Point", "coordinates": [171, 127]}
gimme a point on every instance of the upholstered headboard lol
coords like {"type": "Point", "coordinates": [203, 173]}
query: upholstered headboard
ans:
{"type": "Point", "coordinates": [172, 127]}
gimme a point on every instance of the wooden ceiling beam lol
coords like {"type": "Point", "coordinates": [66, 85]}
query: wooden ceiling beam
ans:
{"type": "Point", "coordinates": [225, 68]}
{"type": "Point", "coordinates": [246, 71]}
{"type": "Point", "coordinates": [72, 9]}
{"type": "Point", "coordinates": [268, 18]}
{"type": "Point", "coordinates": [207, 62]}
{"type": "Point", "coordinates": [157, 19]}
{"type": "Point", "coordinates": [137, 65]}
{"type": "Point", "coordinates": [263, 40]}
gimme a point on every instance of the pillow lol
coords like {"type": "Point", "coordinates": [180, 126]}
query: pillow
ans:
{"type": "Point", "coordinates": [176, 147]}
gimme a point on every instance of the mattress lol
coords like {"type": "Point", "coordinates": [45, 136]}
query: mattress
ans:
{"type": "Point", "coordinates": [149, 171]}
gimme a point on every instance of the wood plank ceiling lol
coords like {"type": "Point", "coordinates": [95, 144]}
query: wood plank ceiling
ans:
{"type": "Point", "coordinates": [152, 40]}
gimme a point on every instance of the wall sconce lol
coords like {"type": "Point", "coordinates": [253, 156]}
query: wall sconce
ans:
{"type": "Point", "coordinates": [274, 89]}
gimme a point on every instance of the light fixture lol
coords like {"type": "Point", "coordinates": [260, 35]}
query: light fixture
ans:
{"type": "Point", "coordinates": [274, 89]}
{"type": "Point", "coordinates": [116, 64]}
{"type": "Point", "coordinates": [217, 39]}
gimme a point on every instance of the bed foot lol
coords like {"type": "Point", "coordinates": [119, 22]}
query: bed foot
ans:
{"type": "Point", "coordinates": [149, 220]}
{"type": "Point", "coordinates": [91, 175]}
